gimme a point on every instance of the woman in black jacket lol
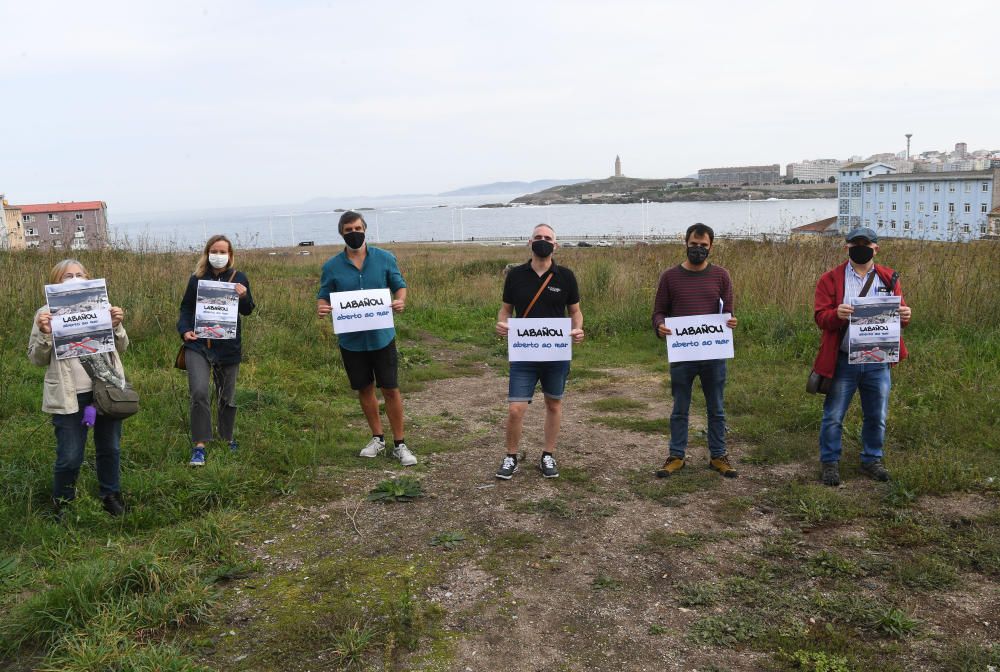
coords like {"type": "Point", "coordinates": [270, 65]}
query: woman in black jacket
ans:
{"type": "Point", "coordinates": [212, 357]}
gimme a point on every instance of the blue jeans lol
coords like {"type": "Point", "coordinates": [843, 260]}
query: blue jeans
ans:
{"type": "Point", "coordinates": [712, 373]}
{"type": "Point", "coordinates": [71, 437]}
{"type": "Point", "coordinates": [873, 382]}
{"type": "Point", "coordinates": [524, 376]}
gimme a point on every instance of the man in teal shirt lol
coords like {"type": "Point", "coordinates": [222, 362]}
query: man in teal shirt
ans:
{"type": "Point", "coordinates": [369, 357]}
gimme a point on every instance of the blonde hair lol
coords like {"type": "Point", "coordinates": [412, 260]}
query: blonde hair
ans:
{"type": "Point", "coordinates": [59, 270]}
{"type": "Point", "coordinates": [202, 267]}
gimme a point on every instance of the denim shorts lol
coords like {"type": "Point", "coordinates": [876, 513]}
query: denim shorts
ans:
{"type": "Point", "coordinates": [525, 375]}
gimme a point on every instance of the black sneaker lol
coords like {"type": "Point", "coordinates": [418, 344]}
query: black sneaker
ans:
{"type": "Point", "coordinates": [876, 470]}
{"type": "Point", "coordinates": [831, 474]}
{"type": "Point", "coordinates": [507, 468]}
{"type": "Point", "coordinates": [113, 504]}
{"type": "Point", "coordinates": [547, 465]}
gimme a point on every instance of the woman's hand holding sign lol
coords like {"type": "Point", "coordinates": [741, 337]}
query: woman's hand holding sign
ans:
{"type": "Point", "coordinates": [44, 322]}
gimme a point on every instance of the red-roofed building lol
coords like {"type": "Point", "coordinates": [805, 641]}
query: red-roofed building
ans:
{"type": "Point", "coordinates": [76, 225]}
{"type": "Point", "coordinates": [823, 227]}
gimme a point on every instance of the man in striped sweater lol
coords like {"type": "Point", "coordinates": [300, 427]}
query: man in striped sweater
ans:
{"type": "Point", "coordinates": [695, 287]}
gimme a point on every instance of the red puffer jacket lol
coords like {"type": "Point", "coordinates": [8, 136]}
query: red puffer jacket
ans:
{"type": "Point", "coordinates": [829, 295]}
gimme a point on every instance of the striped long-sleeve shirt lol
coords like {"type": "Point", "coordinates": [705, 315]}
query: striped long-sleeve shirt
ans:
{"type": "Point", "coordinates": [682, 292]}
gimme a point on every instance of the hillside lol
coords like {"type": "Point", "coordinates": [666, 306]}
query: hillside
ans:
{"type": "Point", "coordinates": [632, 190]}
{"type": "Point", "coordinates": [513, 187]}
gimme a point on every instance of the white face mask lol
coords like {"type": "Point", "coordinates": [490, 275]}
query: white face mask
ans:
{"type": "Point", "coordinates": [218, 260]}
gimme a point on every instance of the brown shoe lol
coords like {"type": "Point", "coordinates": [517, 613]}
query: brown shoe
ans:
{"type": "Point", "coordinates": [672, 464]}
{"type": "Point", "coordinates": [722, 465]}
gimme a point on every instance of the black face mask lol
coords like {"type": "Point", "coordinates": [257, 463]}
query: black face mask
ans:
{"type": "Point", "coordinates": [542, 248]}
{"type": "Point", "coordinates": [860, 254]}
{"type": "Point", "coordinates": [354, 239]}
{"type": "Point", "coordinates": [697, 254]}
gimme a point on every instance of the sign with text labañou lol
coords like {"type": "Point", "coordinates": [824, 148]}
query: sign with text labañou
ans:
{"type": "Point", "coordinates": [539, 340]}
{"type": "Point", "coordinates": [699, 337]}
{"type": "Point", "coordinates": [363, 310]}
{"type": "Point", "coordinates": [81, 318]}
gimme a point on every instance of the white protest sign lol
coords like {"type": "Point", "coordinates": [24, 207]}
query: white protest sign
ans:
{"type": "Point", "coordinates": [696, 338]}
{"type": "Point", "coordinates": [216, 312]}
{"type": "Point", "coordinates": [81, 318]}
{"type": "Point", "coordinates": [539, 339]}
{"type": "Point", "coordinates": [363, 310]}
{"type": "Point", "coordinates": [873, 334]}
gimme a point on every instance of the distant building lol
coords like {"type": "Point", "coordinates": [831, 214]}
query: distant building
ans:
{"type": "Point", "coordinates": [73, 225]}
{"type": "Point", "coordinates": [12, 232]}
{"type": "Point", "coordinates": [822, 228]}
{"type": "Point", "coordinates": [849, 191]}
{"type": "Point", "coordinates": [739, 176]}
{"type": "Point", "coordinates": [820, 170]}
{"type": "Point", "coordinates": [618, 166]}
{"type": "Point", "coordinates": [952, 205]}
{"type": "Point", "coordinates": [993, 223]}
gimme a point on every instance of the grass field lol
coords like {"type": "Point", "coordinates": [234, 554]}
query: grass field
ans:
{"type": "Point", "coordinates": [147, 591]}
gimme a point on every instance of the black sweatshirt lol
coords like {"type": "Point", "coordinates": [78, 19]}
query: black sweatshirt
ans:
{"type": "Point", "coordinates": [227, 351]}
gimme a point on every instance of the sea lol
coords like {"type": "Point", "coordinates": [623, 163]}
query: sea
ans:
{"type": "Point", "coordinates": [455, 219]}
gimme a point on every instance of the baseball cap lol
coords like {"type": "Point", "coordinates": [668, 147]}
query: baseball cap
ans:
{"type": "Point", "coordinates": [862, 232]}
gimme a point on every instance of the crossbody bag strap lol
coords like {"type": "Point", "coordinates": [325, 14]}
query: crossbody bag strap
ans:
{"type": "Point", "coordinates": [231, 276]}
{"type": "Point", "coordinates": [868, 283]}
{"type": "Point", "coordinates": [540, 290]}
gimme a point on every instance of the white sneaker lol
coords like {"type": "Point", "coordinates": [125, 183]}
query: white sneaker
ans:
{"type": "Point", "coordinates": [374, 447]}
{"type": "Point", "coordinates": [406, 458]}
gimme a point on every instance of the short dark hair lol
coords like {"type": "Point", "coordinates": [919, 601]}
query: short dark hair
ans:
{"type": "Point", "coordinates": [701, 230]}
{"type": "Point", "coordinates": [350, 217]}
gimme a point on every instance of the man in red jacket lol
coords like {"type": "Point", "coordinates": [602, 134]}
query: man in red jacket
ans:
{"type": "Point", "coordinates": [833, 309]}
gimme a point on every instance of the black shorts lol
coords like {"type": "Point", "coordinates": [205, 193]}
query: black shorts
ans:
{"type": "Point", "coordinates": [367, 366]}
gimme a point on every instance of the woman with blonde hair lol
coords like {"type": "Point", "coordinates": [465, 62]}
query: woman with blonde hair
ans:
{"type": "Point", "coordinates": [206, 358]}
{"type": "Point", "coordinates": [67, 392]}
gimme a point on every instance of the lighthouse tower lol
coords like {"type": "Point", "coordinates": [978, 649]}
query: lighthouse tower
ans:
{"type": "Point", "coordinates": [618, 166]}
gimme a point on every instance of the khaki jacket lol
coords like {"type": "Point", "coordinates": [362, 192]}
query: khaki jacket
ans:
{"type": "Point", "coordinates": [58, 390]}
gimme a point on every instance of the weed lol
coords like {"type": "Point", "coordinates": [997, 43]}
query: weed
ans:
{"type": "Point", "coordinates": [726, 630]}
{"type": "Point", "coordinates": [401, 489]}
{"type": "Point", "coordinates": [604, 582]}
{"type": "Point", "coordinates": [926, 572]}
{"type": "Point", "coordinates": [515, 540]}
{"type": "Point", "coordinates": [553, 507]}
{"type": "Point", "coordinates": [448, 540]}
{"type": "Point", "coordinates": [825, 563]}
{"type": "Point", "coordinates": [656, 630]}
{"type": "Point", "coordinates": [816, 661]}
{"type": "Point", "coordinates": [697, 594]}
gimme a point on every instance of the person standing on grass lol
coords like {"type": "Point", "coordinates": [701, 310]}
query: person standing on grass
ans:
{"type": "Point", "coordinates": [551, 292]}
{"type": "Point", "coordinates": [66, 394]}
{"type": "Point", "coordinates": [695, 287]}
{"type": "Point", "coordinates": [218, 359]}
{"type": "Point", "coordinates": [369, 357]}
{"type": "Point", "coordinates": [858, 276]}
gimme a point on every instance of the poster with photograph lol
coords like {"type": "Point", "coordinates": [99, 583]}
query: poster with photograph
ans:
{"type": "Point", "coordinates": [81, 318]}
{"type": "Point", "coordinates": [873, 334]}
{"type": "Point", "coordinates": [216, 310]}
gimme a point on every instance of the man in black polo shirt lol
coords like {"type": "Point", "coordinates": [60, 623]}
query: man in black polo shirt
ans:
{"type": "Point", "coordinates": [559, 298]}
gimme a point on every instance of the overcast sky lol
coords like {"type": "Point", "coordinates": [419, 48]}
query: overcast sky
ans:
{"type": "Point", "coordinates": [170, 105]}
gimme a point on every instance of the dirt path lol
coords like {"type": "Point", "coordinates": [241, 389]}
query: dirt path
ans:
{"type": "Point", "coordinates": [576, 573]}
